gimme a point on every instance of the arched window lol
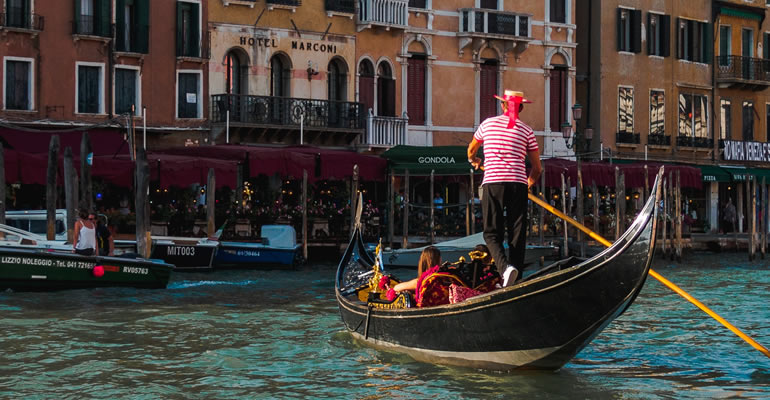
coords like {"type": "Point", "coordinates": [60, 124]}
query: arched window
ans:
{"type": "Point", "coordinates": [235, 73]}
{"type": "Point", "coordinates": [280, 76]}
{"type": "Point", "coordinates": [558, 106]}
{"type": "Point", "coordinates": [416, 71]}
{"type": "Point", "coordinates": [366, 84]}
{"type": "Point", "coordinates": [488, 89]}
{"type": "Point", "coordinates": [337, 80]}
{"type": "Point", "coordinates": [386, 91]}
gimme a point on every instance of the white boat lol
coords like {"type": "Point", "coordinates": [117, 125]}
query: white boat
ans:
{"type": "Point", "coordinates": [21, 239]}
{"type": "Point", "coordinates": [452, 250]}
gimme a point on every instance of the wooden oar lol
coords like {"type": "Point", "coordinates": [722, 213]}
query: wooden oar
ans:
{"type": "Point", "coordinates": [655, 275]}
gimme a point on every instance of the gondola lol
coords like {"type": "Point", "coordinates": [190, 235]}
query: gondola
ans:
{"type": "Point", "coordinates": [541, 322]}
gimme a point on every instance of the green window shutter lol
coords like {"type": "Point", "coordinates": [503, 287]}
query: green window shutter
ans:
{"type": "Point", "coordinates": [636, 31]}
{"type": "Point", "coordinates": [619, 30]}
{"type": "Point", "coordinates": [679, 43]}
{"type": "Point", "coordinates": [120, 25]}
{"type": "Point", "coordinates": [194, 39]}
{"type": "Point", "coordinates": [665, 35]}
{"type": "Point", "coordinates": [143, 26]}
{"type": "Point", "coordinates": [10, 84]}
{"type": "Point", "coordinates": [76, 20]}
{"type": "Point", "coordinates": [649, 34]}
{"type": "Point", "coordinates": [708, 43]}
{"type": "Point", "coordinates": [103, 16]}
{"type": "Point", "coordinates": [179, 26]}
{"type": "Point", "coordinates": [766, 53]}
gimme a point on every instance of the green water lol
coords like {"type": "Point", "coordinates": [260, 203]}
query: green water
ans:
{"type": "Point", "coordinates": [278, 334]}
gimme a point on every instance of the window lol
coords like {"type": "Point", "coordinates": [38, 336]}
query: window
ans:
{"type": "Point", "coordinates": [337, 83]}
{"type": "Point", "coordinates": [92, 17]}
{"type": "Point", "coordinates": [657, 112]}
{"type": "Point", "coordinates": [725, 120]}
{"type": "Point", "coordinates": [189, 103]}
{"type": "Point", "coordinates": [236, 73]}
{"type": "Point", "coordinates": [366, 84]}
{"type": "Point", "coordinates": [280, 76]}
{"type": "Point", "coordinates": [693, 115]}
{"type": "Point", "coordinates": [386, 91]}
{"type": "Point", "coordinates": [629, 30]}
{"type": "Point", "coordinates": [694, 41]}
{"type": "Point", "coordinates": [90, 88]}
{"type": "Point", "coordinates": [725, 46]}
{"type": "Point", "coordinates": [416, 67]}
{"type": "Point", "coordinates": [748, 121]}
{"type": "Point", "coordinates": [127, 90]}
{"type": "Point", "coordinates": [558, 98]}
{"type": "Point", "coordinates": [626, 110]}
{"type": "Point", "coordinates": [18, 83]}
{"type": "Point", "coordinates": [490, 4]}
{"type": "Point", "coordinates": [132, 25]}
{"type": "Point", "coordinates": [488, 89]}
{"type": "Point", "coordinates": [17, 13]}
{"type": "Point", "coordinates": [418, 3]}
{"type": "Point", "coordinates": [658, 34]}
{"type": "Point", "coordinates": [187, 29]}
{"type": "Point", "coordinates": [558, 11]}
{"type": "Point", "coordinates": [766, 47]}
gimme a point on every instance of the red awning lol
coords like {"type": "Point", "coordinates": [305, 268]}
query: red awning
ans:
{"type": "Point", "coordinates": [104, 141]}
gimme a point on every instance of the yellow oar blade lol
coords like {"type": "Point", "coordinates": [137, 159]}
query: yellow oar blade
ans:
{"type": "Point", "coordinates": [655, 275]}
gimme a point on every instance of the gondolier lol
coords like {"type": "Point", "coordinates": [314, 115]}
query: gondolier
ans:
{"type": "Point", "coordinates": [507, 142]}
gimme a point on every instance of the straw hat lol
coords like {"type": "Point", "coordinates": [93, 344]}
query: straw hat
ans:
{"type": "Point", "coordinates": [512, 95]}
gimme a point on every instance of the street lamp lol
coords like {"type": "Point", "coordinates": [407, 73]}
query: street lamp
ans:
{"type": "Point", "coordinates": [566, 129]}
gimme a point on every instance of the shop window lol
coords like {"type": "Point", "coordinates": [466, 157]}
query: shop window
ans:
{"type": "Point", "coordinates": [657, 112]}
{"type": "Point", "coordinates": [625, 110]}
{"type": "Point", "coordinates": [18, 84]}
{"type": "Point", "coordinates": [90, 88]}
{"type": "Point", "coordinates": [132, 26]}
{"type": "Point", "coordinates": [127, 91]}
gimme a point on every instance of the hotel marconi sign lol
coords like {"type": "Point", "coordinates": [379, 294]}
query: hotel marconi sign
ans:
{"type": "Point", "coordinates": [746, 151]}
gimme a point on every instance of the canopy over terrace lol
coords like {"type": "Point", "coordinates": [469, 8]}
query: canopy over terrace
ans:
{"type": "Point", "coordinates": [291, 161]}
{"type": "Point", "coordinates": [421, 160]}
{"type": "Point", "coordinates": [603, 174]}
{"type": "Point", "coordinates": [103, 141]}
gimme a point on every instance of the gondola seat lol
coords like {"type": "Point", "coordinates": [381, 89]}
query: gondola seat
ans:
{"type": "Point", "coordinates": [433, 288]}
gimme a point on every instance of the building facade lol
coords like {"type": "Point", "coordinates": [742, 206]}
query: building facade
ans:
{"type": "Point", "coordinates": [102, 63]}
{"type": "Point", "coordinates": [681, 82]}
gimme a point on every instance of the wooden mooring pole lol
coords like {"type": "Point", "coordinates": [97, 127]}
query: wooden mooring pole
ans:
{"type": "Point", "coordinates": [405, 231]}
{"type": "Point", "coordinates": [211, 200]}
{"type": "Point", "coordinates": [595, 190]}
{"type": "Point", "coordinates": [432, 210]}
{"type": "Point", "coordinates": [763, 214]}
{"type": "Point", "coordinates": [473, 204]}
{"type": "Point", "coordinates": [69, 195]}
{"type": "Point", "coordinates": [678, 217]}
{"type": "Point", "coordinates": [143, 244]}
{"type": "Point", "coordinates": [752, 185]}
{"type": "Point", "coordinates": [86, 186]}
{"type": "Point", "coordinates": [50, 188]}
{"type": "Point", "coordinates": [353, 198]}
{"type": "Point", "coordinates": [304, 214]}
{"type": "Point", "coordinates": [580, 211]}
{"type": "Point", "coordinates": [565, 249]}
{"type": "Point", "coordinates": [392, 209]}
{"type": "Point", "coordinates": [2, 184]}
{"type": "Point", "coordinates": [541, 219]}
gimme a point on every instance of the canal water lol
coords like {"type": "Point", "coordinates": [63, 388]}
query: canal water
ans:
{"type": "Point", "coordinates": [277, 334]}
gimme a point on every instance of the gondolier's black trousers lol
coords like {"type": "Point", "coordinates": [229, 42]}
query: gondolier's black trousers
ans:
{"type": "Point", "coordinates": [504, 206]}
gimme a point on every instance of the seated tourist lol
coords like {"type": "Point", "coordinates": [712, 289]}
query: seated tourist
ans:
{"type": "Point", "coordinates": [429, 261]}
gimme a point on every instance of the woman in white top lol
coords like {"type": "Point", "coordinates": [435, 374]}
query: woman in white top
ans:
{"type": "Point", "coordinates": [85, 235]}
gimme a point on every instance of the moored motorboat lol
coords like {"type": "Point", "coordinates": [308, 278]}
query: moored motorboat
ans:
{"type": "Point", "coordinates": [541, 322]}
{"type": "Point", "coordinates": [277, 246]}
{"type": "Point", "coordinates": [48, 269]}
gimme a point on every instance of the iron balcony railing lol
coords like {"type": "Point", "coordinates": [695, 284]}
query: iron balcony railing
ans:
{"type": "Point", "coordinates": [386, 131]}
{"type": "Point", "coordinates": [287, 111]}
{"type": "Point", "coordinates": [392, 13]}
{"type": "Point", "coordinates": [342, 6]}
{"type": "Point", "coordinates": [743, 68]}
{"type": "Point", "coordinates": [295, 3]}
{"type": "Point", "coordinates": [18, 17]}
{"type": "Point", "coordinates": [484, 21]}
{"type": "Point", "coordinates": [690, 141]}
{"type": "Point", "coordinates": [659, 140]}
{"type": "Point", "coordinates": [89, 25]}
{"type": "Point", "coordinates": [627, 138]}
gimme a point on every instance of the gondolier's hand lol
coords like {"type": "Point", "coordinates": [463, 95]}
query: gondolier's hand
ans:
{"type": "Point", "coordinates": [475, 162]}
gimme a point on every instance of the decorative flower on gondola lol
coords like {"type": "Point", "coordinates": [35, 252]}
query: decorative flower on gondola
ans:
{"type": "Point", "coordinates": [384, 281]}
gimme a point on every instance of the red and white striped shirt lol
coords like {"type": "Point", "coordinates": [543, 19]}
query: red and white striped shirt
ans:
{"type": "Point", "coordinates": [505, 149]}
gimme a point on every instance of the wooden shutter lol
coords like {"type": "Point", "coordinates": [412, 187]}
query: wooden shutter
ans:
{"type": "Point", "coordinates": [188, 83]}
{"type": "Point", "coordinates": [180, 28]}
{"type": "Point", "coordinates": [636, 31]}
{"type": "Point", "coordinates": [102, 17]}
{"type": "Point", "coordinates": [389, 100]}
{"type": "Point", "coordinates": [665, 35]}
{"type": "Point", "coordinates": [125, 90]}
{"type": "Point", "coordinates": [77, 24]}
{"type": "Point", "coordinates": [88, 89]}
{"type": "Point", "coordinates": [366, 92]}
{"type": "Point", "coordinates": [142, 27]}
{"type": "Point", "coordinates": [558, 100]}
{"type": "Point", "coordinates": [650, 44]}
{"type": "Point", "coordinates": [487, 91]}
{"type": "Point", "coordinates": [619, 30]}
{"type": "Point", "coordinates": [416, 91]}
{"type": "Point", "coordinates": [194, 33]}
{"type": "Point", "coordinates": [707, 41]}
{"type": "Point", "coordinates": [16, 85]}
{"type": "Point", "coordinates": [120, 25]}
{"type": "Point", "coordinates": [766, 46]}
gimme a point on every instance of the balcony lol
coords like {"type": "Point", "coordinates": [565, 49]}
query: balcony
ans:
{"type": "Point", "coordinates": [341, 6]}
{"type": "Point", "coordinates": [386, 13]}
{"type": "Point", "coordinates": [478, 25]}
{"type": "Point", "coordinates": [280, 118]}
{"type": "Point", "coordinates": [698, 142]}
{"type": "Point", "coordinates": [659, 140]}
{"type": "Point", "coordinates": [18, 19]}
{"type": "Point", "coordinates": [743, 72]}
{"type": "Point", "coordinates": [88, 25]}
{"type": "Point", "coordinates": [627, 138]}
{"type": "Point", "coordinates": [386, 131]}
